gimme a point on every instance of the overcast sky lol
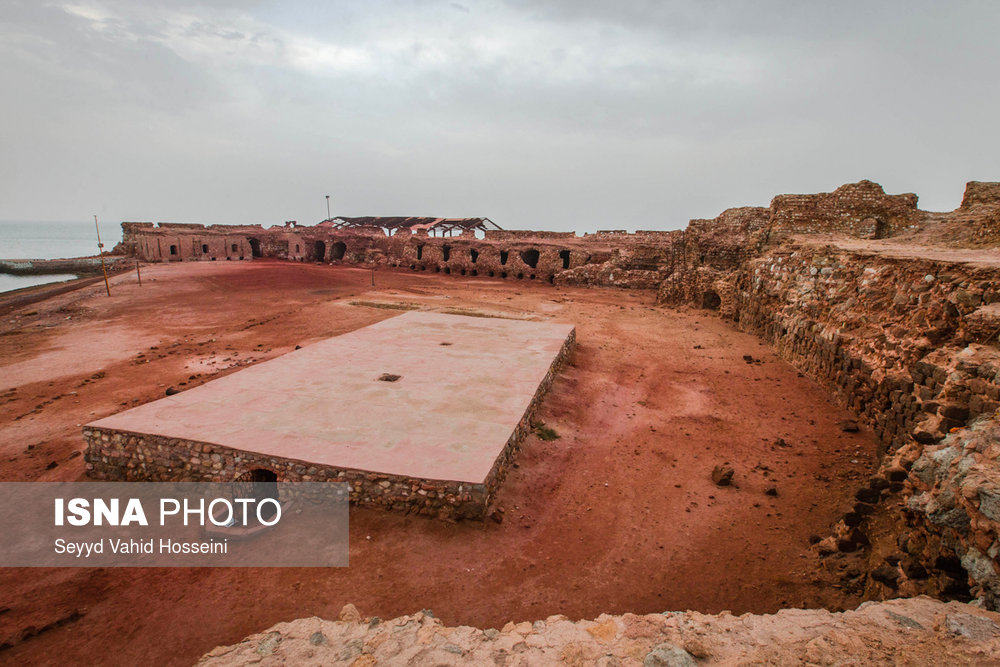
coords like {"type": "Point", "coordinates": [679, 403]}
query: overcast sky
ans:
{"type": "Point", "coordinates": [564, 115]}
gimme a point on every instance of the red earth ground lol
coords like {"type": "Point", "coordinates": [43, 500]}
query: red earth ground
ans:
{"type": "Point", "coordinates": [617, 514]}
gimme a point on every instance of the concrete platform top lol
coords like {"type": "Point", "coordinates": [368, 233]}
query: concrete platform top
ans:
{"type": "Point", "coordinates": [464, 385]}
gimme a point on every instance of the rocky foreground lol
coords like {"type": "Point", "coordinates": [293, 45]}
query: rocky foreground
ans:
{"type": "Point", "coordinates": [915, 631]}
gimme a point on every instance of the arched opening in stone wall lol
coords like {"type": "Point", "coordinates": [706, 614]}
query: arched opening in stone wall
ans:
{"type": "Point", "coordinates": [881, 229]}
{"type": "Point", "coordinates": [446, 252]}
{"type": "Point", "coordinates": [258, 476]}
{"type": "Point", "coordinates": [260, 484]}
{"type": "Point", "coordinates": [710, 300]}
{"type": "Point", "coordinates": [319, 248]}
{"type": "Point", "coordinates": [503, 257]}
{"type": "Point", "coordinates": [338, 250]}
{"type": "Point", "coordinates": [254, 247]}
{"type": "Point", "coordinates": [873, 228]}
{"type": "Point", "coordinates": [530, 257]}
{"type": "Point", "coordinates": [234, 248]}
{"type": "Point", "coordinates": [204, 247]}
{"type": "Point", "coordinates": [473, 255]}
{"type": "Point", "coordinates": [564, 256]}
{"type": "Point", "coordinates": [420, 251]}
{"type": "Point", "coordinates": [173, 250]}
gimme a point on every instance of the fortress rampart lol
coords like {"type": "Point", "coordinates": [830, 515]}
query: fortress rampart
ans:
{"type": "Point", "coordinates": [895, 310]}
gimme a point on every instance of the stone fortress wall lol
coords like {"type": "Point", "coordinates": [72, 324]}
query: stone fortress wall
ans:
{"type": "Point", "coordinates": [895, 310]}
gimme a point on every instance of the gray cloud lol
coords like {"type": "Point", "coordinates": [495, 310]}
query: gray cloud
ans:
{"type": "Point", "coordinates": [559, 115]}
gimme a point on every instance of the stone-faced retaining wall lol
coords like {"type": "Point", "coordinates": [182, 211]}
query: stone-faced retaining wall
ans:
{"type": "Point", "coordinates": [129, 456]}
{"type": "Point", "coordinates": [884, 334]}
{"type": "Point", "coordinates": [911, 346]}
{"type": "Point", "coordinates": [132, 457]}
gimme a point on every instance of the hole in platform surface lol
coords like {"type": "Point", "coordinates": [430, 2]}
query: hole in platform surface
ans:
{"type": "Point", "coordinates": [446, 343]}
{"type": "Point", "coordinates": [388, 377]}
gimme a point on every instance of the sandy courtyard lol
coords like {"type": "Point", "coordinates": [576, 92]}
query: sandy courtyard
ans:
{"type": "Point", "coordinates": [619, 513]}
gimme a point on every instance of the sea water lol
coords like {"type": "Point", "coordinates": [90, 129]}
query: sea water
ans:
{"type": "Point", "coordinates": [36, 239]}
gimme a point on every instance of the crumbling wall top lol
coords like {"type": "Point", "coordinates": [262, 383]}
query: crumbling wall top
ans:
{"type": "Point", "coordinates": [980, 193]}
{"type": "Point", "coordinates": [858, 209]}
{"type": "Point", "coordinates": [510, 234]}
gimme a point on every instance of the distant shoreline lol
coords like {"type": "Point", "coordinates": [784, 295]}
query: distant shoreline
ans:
{"type": "Point", "coordinates": [25, 296]}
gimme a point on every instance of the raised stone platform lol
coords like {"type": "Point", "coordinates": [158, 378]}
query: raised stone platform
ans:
{"type": "Point", "coordinates": [421, 412]}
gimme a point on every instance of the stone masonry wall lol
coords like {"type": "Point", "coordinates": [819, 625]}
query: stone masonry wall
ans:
{"type": "Point", "coordinates": [953, 504]}
{"type": "Point", "coordinates": [910, 345]}
{"type": "Point", "coordinates": [692, 259]}
{"type": "Point", "coordinates": [132, 457]}
{"type": "Point", "coordinates": [638, 260]}
{"type": "Point", "coordinates": [882, 333]}
{"type": "Point", "coordinates": [980, 210]}
{"type": "Point", "coordinates": [128, 456]}
{"type": "Point", "coordinates": [859, 209]}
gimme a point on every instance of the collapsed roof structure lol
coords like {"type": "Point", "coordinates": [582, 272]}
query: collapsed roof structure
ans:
{"type": "Point", "coordinates": [391, 224]}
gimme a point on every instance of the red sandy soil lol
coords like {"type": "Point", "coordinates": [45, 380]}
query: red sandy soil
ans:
{"type": "Point", "coordinates": [618, 514]}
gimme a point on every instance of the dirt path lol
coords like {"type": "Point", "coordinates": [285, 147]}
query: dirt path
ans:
{"type": "Point", "coordinates": [617, 514]}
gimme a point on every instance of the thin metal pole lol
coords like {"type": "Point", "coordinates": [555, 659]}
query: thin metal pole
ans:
{"type": "Point", "coordinates": [100, 246]}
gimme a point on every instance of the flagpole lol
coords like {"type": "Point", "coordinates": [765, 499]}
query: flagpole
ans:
{"type": "Point", "coordinates": [100, 246]}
